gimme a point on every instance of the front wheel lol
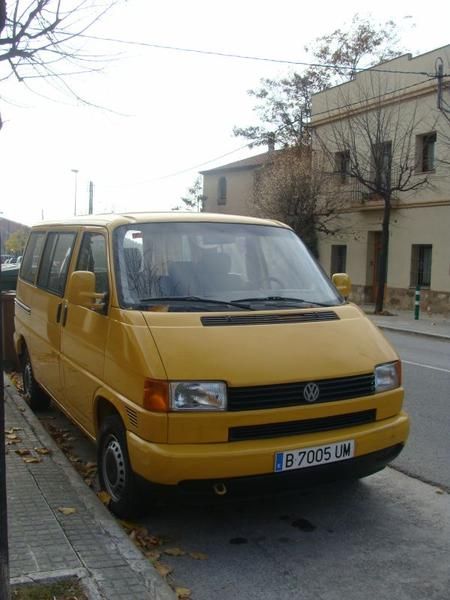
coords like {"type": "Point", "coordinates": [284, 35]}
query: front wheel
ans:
{"type": "Point", "coordinates": [114, 469]}
{"type": "Point", "coordinates": [34, 395]}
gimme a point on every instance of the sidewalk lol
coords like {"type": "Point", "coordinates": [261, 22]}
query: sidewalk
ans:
{"type": "Point", "coordinates": [401, 320]}
{"type": "Point", "coordinates": [44, 543]}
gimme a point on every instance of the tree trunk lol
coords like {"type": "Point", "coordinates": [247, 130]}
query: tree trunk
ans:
{"type": "Point", "coordinates": [2, 14]}
{"type": "Point", "coordinates": [383, 263]}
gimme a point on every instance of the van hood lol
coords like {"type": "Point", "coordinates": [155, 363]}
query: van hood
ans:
{"type": "Point", "coordinates": [193, 348]}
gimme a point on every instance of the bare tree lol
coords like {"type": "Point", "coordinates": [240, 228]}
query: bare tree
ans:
{"type": "Point", "coordinates": [42, 39]}
{"type": "Point", "coordinates": [293, 190]}
{"type": "Point", "coordinates": [283, 106]}
{"type": "Point", "coordinates": [370, 139]}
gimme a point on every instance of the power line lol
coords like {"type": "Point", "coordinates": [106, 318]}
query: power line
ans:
{"type": "Point", "coordinates": [182, 171]}
{"type": "Point", "coordinates": [256, 58]}
{"type": "Point", "coordinates": [252, 143]}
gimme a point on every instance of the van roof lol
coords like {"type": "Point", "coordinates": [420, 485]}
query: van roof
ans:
{"type": "Point", "coordinates": [113, 220]}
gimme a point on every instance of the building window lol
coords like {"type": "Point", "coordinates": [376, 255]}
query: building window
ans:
{"type": "Point", "coordinates": [421, 265]}
{"type": "Point", "coordinates": [222, 191]}
{"type": "Point", "coordinates": [342, 165]}
{"type": "Point", "coordinates": [338, 258]}
{"type": "Point", "coordinates": [426, 145]}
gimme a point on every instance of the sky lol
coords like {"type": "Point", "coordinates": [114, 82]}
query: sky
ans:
{"type": "Point", "coordinates": [164, 115]}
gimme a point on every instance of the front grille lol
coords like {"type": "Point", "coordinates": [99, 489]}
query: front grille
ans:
{"type": "Point", "coordinates": [279, 318]}
{"type": "Point", "coordinates": [273, 430]}
{"type": "Point", "coordinates": [291, 394]}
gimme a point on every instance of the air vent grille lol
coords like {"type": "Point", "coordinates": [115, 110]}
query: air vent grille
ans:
{"type": "Point", "coordinates": [132, 417]}
{"type": "Point", "coordinates": [269, 319]}
{"type": "Point", "coordinates": [273, 430]}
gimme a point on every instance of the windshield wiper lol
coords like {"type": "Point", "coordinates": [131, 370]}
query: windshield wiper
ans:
{"type": "Point", "coordinates": [196, 299]}
{"type": "Point", "coordinates": [282, 299]}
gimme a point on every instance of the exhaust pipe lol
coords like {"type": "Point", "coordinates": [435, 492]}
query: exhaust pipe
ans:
{"type": "Point", "coordinates": [220, 489]}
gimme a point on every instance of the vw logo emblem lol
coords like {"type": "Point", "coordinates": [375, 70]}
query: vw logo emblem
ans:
{"type": "Point", "coordinates": [311, 392]}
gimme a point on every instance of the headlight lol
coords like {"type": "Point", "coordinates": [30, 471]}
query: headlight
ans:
{"type": "Point", "coordinates": [388, 376]}
{"type": "Point", "coordinates": [198, 395]}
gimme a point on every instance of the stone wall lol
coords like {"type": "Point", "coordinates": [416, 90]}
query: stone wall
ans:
{"type": "Point", "coordinates": [403, 299]}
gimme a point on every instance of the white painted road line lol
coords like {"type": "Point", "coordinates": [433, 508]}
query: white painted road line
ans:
{"type": "Point", "coordinates": [409, 362]}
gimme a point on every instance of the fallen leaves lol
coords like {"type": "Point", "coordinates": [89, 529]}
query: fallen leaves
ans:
{"type": "Point", "coordinates": [43, 451]}
{"type": "Point", "coordinates": [174, 552]}
{"type": "Point", "coordinates": [66, 511]}
{"type": "Point", "coordinates": [143, 538]}
{"type": "Point", "coordinates": [27, 455]}
{"type": "Point", "coordinates": [23, 452]}
{"type": "Point", "coordinates": [16, 379]}
{"type": "Point", "coordinates": [162, 569]}
{"type": "Point", "coordinates": [32, 459]}
{"type": "Point", "coordinates": [198, 555]}
{"type": "Point", "coordinates": [147, 542]}
{"type": "Point", "coordinates": [104, 497]}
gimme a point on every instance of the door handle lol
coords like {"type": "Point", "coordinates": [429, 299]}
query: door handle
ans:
{"type": "Point", "coordinates": [58, 312]}
{"type": "Point", "coordinates": [64, 314]}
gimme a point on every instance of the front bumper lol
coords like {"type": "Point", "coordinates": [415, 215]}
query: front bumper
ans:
{"type": "Point", "coordinates": [173, 464]}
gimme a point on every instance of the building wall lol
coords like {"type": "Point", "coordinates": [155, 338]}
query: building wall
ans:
{"type": "Point", "coordinates": [424, 226]}
{"type": "Point", "coordinates": [418, 217]}
{"type": "Point", "coordinates": [240, 190]}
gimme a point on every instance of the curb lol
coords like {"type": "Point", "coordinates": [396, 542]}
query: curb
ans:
{"type": "Point", "coordinates": [156, 585]}
{"type": "Point", "coordinates": [440, 336]}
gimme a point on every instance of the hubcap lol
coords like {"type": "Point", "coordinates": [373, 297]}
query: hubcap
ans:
{"type": "Point", "coordinates": [113, 468]}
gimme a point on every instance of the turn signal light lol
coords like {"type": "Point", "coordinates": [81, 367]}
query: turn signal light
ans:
{"type": "Point", "coordinates": [156, 395]}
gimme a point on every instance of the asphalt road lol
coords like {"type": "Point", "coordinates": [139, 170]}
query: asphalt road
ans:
{"type": "Point", "coordinates": [426, 376]}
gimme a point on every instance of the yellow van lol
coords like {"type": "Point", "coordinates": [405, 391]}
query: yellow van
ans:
{"type": "Point", "coordinates": [204, 351]}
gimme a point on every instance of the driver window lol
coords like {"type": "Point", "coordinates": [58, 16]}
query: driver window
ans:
{"type": "Point", "coordinates": [92, 257]}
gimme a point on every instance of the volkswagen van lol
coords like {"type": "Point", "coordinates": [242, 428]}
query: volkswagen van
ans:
{"type": "Point", "coordinates": [204, 352]}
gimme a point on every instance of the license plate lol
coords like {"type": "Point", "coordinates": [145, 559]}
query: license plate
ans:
{"type": "Point", "coordinates": [311, 457]}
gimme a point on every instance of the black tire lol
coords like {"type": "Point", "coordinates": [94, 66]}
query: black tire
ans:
{"type": "Point", "coordinates": [114, 469]}
{"type": "Point", "coordinates": [34, 395]}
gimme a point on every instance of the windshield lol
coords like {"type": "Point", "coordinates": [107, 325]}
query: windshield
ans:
{"type": "Point", "coordinates": [199, 266]}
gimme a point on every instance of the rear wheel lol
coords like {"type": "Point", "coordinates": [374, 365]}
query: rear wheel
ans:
{"type": "Point", "coordinates": [34, 395]}
{"type": "Point", "coordinates": [114, 469]}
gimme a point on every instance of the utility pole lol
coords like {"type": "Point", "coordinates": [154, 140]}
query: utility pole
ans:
{"type": "Point", "coordinates": [75, 172]}
{"type": "Point", "coordinates": [4, 554]}
{"type": "Point", "coordinates": [91, 197]}
{"type": "Point", "coordinates": [442, 105]}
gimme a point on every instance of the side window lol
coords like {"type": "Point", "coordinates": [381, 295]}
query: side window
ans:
{"type": "Point", "coordinates": [92, 257]}
{"type": "Point", "coordinates": [55, 262]}
{"type": "Point", "coordinates": [30, 261]}
{"type": "Point", "coordinates": [222, 191]}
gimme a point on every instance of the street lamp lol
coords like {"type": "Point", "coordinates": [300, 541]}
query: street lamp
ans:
{"type": "Point", "coordinates": [75, 172]}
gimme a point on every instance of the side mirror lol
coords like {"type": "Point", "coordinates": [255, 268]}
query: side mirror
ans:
{"type": "Point", "coordinates": [81, 291]}
{"type": "Point", "coordinates": [343, 283]}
